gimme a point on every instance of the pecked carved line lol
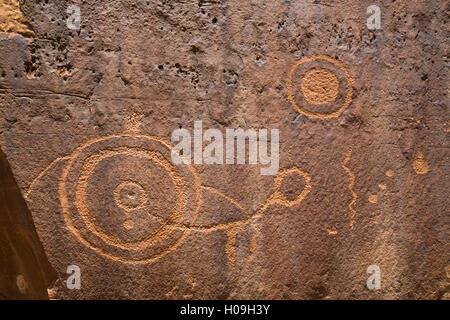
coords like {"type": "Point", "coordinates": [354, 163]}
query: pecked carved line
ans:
{"type": "Point", "coordinates": [41, 173]}
{"type": "Point", "coordinates": [350, 186]}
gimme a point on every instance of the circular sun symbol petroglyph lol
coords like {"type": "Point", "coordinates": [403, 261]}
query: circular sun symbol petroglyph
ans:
{"type": "Point", "coordinates": [320, 86]}
{"type": "Point", "coordinates": [121, 196]}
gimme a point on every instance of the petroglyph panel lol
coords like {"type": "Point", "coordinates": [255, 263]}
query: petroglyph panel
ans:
{"type": "Point", "coordinates": [86, 116]}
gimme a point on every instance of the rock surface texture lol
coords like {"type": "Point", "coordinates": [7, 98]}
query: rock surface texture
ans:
{"type": "Point", "coordinates": [86, 118]}
{"type": "Point", "coordinates": [25, 272]}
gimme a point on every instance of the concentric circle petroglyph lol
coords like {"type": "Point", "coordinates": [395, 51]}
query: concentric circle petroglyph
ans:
{"type": "Point", "coordinates": [130, 195]}
{"type": "Point", "coordinates": [320, 86]}
{"type": "Point", "coordinates": [128, 179]}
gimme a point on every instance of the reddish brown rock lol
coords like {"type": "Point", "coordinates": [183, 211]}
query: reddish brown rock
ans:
{"type": "Point", "coordinates": [25, 272]}
{"type": "Point", "coordinates": [85, 116]}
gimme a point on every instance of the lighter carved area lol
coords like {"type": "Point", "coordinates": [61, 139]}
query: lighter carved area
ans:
{"type": "Point", "coordinates": [320, 86]}
{"type": "Point", "coordinates": [351, 184]}
{"type": "Point", "coordinates": [420, 165]}
{"type": "Point", "coordinates": [129, 195]}
{"type": "Point", "coordinates": [12, 20]}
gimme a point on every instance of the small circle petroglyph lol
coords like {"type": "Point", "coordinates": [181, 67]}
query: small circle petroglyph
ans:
{"type": "Point", "coordinates": [130, 195]}
{"type": "Point", "coordinates": [320, 85]}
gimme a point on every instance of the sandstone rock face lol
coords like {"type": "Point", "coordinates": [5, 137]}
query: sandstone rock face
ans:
{"type": "Point", "coordinates": [86, 118]}
{"type": "Point", "coordinates": [25, 272]}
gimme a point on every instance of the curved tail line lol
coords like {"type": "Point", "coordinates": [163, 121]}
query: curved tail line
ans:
{"type": "Point", "coordinates": [350, 186]}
